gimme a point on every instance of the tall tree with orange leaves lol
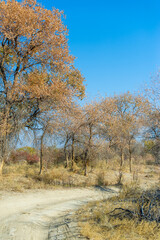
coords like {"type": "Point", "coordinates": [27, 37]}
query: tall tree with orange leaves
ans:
{"type": "Point", "coordinates": [36, 68]}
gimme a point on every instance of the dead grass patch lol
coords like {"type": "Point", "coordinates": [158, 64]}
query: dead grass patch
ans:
{"type": "Point", "coordinates": [109, 220]}
{"type": "Point", "coordinates": [21, 176]}
{"type": "Point", "coordinates": [18, 177]}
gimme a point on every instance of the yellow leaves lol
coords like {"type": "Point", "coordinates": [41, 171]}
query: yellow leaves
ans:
{"type": "Point", "coordinates": [34, 62]}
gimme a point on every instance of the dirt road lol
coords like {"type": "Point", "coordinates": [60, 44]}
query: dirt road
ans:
{"type": "Point", "coordinates": [34, 215]}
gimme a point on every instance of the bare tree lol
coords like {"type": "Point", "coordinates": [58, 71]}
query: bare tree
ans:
{"type": "Point", "coordinates": [122, 120]}
{"type": "Point", "coordinates": [152, 117]}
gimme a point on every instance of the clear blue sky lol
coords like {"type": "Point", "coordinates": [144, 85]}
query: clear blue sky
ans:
{"type": "Point", "coordinates": [116, 42]}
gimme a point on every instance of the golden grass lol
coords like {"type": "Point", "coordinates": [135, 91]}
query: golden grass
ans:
{"type": "Point", "coordinates": [18, 177]}
{"type": "Point", "coordinates": [21, 176]}
{"type": "Point", "coordinates": [97, 224]}
{"type": "Point", "coordinates": [142, 174]}
{"type": "Point", "coordinates": [121, 230]}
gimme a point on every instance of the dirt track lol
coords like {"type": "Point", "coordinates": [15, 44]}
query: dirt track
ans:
{"type": "Point", "coordinates": [38, 215]}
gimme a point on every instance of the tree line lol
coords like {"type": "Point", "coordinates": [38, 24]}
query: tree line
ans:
{"type": "Point", "coordinates": [40, 91]}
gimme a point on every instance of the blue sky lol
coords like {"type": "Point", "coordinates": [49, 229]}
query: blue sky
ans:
{"type": "Point", "coordinates": [117, 43]}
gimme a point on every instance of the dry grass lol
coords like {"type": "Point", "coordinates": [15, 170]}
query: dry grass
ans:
{"type": "Point", "coordinates": [97, 222]}
{"type": "Point", "coordinates": [144, 175]}
{"type": "Point", "coordinates": [18, 177]}
{"type": "Point", "coordinates": [122, 230]}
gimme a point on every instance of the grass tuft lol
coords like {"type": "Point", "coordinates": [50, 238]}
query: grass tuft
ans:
{"type": "Point", "coordinates": [119, 218]}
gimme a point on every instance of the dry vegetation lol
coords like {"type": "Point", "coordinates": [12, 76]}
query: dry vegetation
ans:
{"type": "Point", "coordinates": [18, 177]}
{"type": "Point", "coordinates": [21, 176]}
{"type": "Point", "coordinates": [114, 141]}
{"type": "Point", "coordinates": [132, 215]}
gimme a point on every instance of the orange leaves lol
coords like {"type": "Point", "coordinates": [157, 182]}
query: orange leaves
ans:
{"type": "Point", "coordinates": [37, 79]}
{"type": "Point", "coordinates": [32, 29]}
{"type": "Point", "coordinates": [34, 38]}
{"type": "Point", "coordinates": [75, 80]}
{"type": "Point", "coordinates": [35, 66]}
{"type": "Point", "coordinates": [41, 86]}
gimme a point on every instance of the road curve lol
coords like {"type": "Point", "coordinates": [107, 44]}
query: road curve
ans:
{"type": "Point", "coordinates": [30, 215]}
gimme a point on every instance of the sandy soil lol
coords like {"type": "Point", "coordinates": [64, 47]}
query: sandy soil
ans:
{"type": "Point", "coordinates": [30, 215]}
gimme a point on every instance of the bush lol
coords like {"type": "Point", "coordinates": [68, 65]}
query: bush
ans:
{"type": "Point", "coordinates": [31, 159]}
{"type": "Point", "coordinates": [30, 150]}
{"type": "Point", "coordinates": [100, 179]}
{"type": "Point", "coordinates": [135, 215]}
{"type": "Point", "coordinates": [19, 156]}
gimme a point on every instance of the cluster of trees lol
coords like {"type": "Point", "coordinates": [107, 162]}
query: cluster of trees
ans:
{"type": "Point", "coordinates": [119, 123]}
{"type": "Point", "coordinates": [39, 88]}
{"type": "Point", "coordinates": [37, 73]}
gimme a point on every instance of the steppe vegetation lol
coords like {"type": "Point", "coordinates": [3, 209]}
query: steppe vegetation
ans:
{"type": "Point", "coordinates": [40, 94]}
{"type": "Point", "coordinates": [110, 141]}
{"type": "Point", "coordinates": [134, 214]}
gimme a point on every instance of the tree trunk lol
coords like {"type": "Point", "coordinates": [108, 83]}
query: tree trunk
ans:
{"type": "Point", "coordinates": [1, 166]}
{"type": "Point", "coordinates": [41, 156]}
{"type": "Point", "coordinates": [121, 163]}
{"type": "Point", "coordinates": [66, 160]}
{"type": "Point", "coordinates": [73, 153]}
{"type": "Point", "coordinates": [3, 151]}
{"type": "Point", "coordinates": [119, 182]}
{"type": "Point", "coordinates": [130, 157]}
{"type": "Point", "coordinates": [85, 170]}
{"type": "Point", "coordinates": [66, 153]}
{"type": "Point", "coordinates": [86, 159]}
{"type": "Point", "coordinates": [85, 162]}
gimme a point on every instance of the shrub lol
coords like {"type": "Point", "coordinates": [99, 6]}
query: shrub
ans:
{"type": "Point", "coordinates": [31, 159]}
{"type": "Point", "coordinates": [19, 156]}
{"type": "Point", "coordinates": [100, 179]}
{"type": "Point", "coordinates": [135, 215]}
{"type": "Point", "coordinates": [27, 149]}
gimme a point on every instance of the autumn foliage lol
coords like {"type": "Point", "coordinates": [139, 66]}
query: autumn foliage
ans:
{"type": "Point", "coordinates": [36, 68]}
{"type": "Point", "coordinates": [39, 89]}
{"type": "Point", "coordinates": [23, 156]}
